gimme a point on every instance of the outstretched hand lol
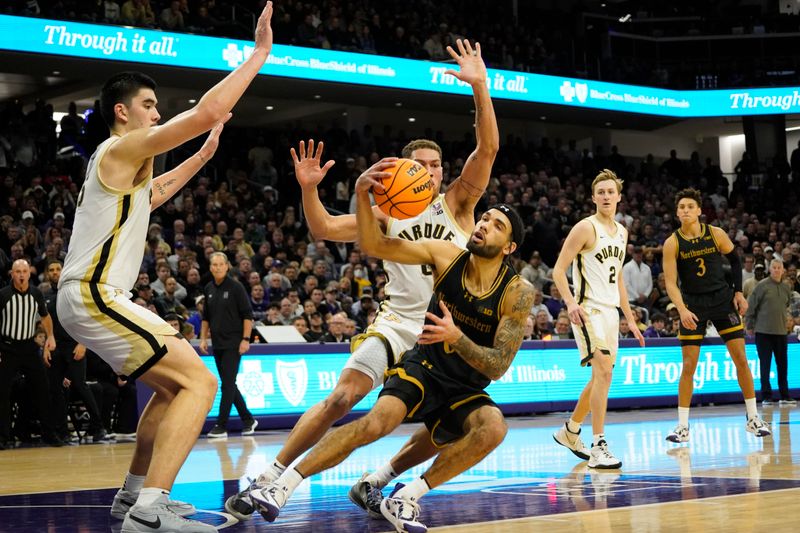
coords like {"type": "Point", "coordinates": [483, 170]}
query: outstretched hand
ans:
{"type": "Point", "coordinates": [307, 167]}
{"type": "Point", "coordinates": [472, 70]}
{"type": "Point", "coordinates": [263, 35]}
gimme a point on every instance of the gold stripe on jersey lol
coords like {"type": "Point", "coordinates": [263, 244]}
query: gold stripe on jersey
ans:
{"type": "Point", "coordinates": [711, 232]}
{"type": "Point", "coordinates": [582, 274]}
{"type": "Point", "coordinates": [490, 290]}
{"type": "Point", "coordinates": [467, 400]}
{"type": "Point", "coordinates": [411, 379]}
{"type": "Point", "coordinates": [446, 270]}
{"type": "Point", "coordinates": [731, 330]}
{"type": "Point", "coordinates": [97, 271]}
{"type": "Point", "coordinates": [702, 233]}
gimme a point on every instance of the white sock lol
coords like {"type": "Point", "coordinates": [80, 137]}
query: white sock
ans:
{"type": "Point", "coordinates": [132, 483]}
{"type": "Point", "coordinates": [752, 408]}
{"type": "Point", "coordinates": [572, 426]}
{"type": "Point", "coordinates": [273, 472]}
{"type": "Point", "coordinates": [683, 416]}
{"type": "Point", "coordinates": [289, 481]}
{"type": "Point", "coordinates": [148, 495]}
{"type": "Point", "coordinates": [414, 490]}
{"type": "Point", "coordinates": [382, 476]}
{"type": "Point", "coordinates": [597, 437]}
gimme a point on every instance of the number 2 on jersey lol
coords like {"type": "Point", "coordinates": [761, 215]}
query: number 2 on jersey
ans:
{"type": "Point", "coordinates": [612, 274]}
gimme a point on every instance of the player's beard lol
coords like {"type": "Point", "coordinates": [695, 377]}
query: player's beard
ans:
{"type": "Point", "coordinates": [487, 251]}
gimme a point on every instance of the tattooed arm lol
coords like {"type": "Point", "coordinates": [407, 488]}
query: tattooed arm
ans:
{"type": "Point", "coordinates": [491, 361]}
{"type": "Point", "coordinates": [167, 184]}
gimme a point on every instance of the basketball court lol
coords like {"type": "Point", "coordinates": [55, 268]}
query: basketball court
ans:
{"type": "Point", "coordinates": [725, 479]}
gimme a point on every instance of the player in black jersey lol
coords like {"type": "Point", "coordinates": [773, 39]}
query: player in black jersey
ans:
{"type": "Point", "coordinates": [693, 255]}
{"type": "Point", "coordinates": [473, 330]}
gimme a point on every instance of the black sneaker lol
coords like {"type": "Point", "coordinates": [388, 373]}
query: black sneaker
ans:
{"type": "Point", "coordinates": [217, 432]}
{"type": "Point", "coordinates": [100, 435]}
{"type": "Point", "coordinates": [367, 497]}
{"type": "Point", "coordinates": [249, 427]}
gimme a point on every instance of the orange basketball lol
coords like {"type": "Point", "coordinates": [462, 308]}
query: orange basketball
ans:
{"type": "Point", "coordinates": [407, 192]}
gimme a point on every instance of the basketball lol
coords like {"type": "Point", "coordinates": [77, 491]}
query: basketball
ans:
{"type": "Point", "coordinates": [407, 192]}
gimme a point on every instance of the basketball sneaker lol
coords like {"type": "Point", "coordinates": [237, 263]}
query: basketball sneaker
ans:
{"type": "Point", "coordinates": [757, 427]}
{"type": "Point", "coordinates": [124, 500]}
{"type": "Point", "coordinates": [571, 441]}
{"type": "Point", "coordinates": [217, 432]}
{"type": "Point", "coordinates": [159, 517]}
{"type": "Point", "coordinates": [679, 434]}
{"type": "Point", "coordinates": [269, 500]}
{"type": "Point", "coordinates": [600, 457]}
{"type": "Point", "coordinates": [401, 513]}
{"type": "Point", "coordinates": [367, 497]}
{"type": "Point", "coordinates": [789, 402]}
{"type": "Point", "coordinates": [249, 427]}
{"type": "Point", "coordinates": [240, 505]}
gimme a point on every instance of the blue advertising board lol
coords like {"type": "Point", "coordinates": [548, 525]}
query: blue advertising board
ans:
{"type": "Point", "coordinates": [126, 44]}
{"type": "Point", "coordinates": [288, 379]}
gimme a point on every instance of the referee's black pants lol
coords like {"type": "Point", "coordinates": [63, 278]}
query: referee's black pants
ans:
{"type": "Point", "coordinates": [24, 356]}
{"type": "Point", "coordinates": [227, 360]}
{"type": "Point", "coordinates": [767, 345]}
{"type": "Point", "coordinates": [63, 365]}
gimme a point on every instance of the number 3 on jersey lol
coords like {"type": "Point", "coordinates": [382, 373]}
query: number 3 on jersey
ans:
{"type": "Point", "coordinates": [701, 267]}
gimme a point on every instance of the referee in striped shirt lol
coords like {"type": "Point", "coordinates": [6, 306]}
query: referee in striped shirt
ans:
{"type": "Point", "coordinates": [20, 307]}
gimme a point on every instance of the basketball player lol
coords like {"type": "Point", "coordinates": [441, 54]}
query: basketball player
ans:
{"type": "Point", "coordinates": [105, 254]}
{"type": "Point", "coordinates": [450, 217]}
{"type": "Point", "coordinates": [596, 249]}
{"type": "Point", "coordinates": [693, 255]}
{"type": "Point", "coordinates": [473, 329]}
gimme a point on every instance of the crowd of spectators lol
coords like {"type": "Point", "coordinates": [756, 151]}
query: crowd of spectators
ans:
{"type": "Point", "coordinates": [568, 40]}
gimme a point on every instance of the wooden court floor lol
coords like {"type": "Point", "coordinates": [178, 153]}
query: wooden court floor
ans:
{"type": "Point", "coordinates": [724, 480]}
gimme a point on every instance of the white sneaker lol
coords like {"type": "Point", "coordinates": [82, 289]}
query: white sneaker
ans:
{"type": "Point", "coordinates": [124, 500]}
{"type": "Point", "coordinates": [571, 441]}
{"type": "Point", "coordinates": [269, 501]}
{"type": "Point", "coordinates": [757, 427]}
{"type": "Point", "coordinates": [159, 517]}
{"type": "Point", "coordinates": [679, 434]}
{"type": "Point", "coordinates": [600, 457]}
{"type": "Point", "coordinates": [401, 513]}
{"type": "Point", "coordinates": [241, 505]}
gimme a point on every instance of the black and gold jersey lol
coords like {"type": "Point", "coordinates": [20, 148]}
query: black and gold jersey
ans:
{"type": "Point", "coordinates": [700, 266]}
{"type": "Point", "coordinates": [476, 315]}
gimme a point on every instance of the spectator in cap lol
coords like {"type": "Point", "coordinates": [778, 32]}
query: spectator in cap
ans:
{"type": "Point", "coordinates": [536, 271]}
{"type": "Point", "coordinates": [362, 308]}
{"type": "Point", "coordinates": [759, 273]}
{"type": "Point", "coordinates": [315, 329]}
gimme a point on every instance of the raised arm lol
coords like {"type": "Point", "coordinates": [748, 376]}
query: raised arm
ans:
{"type": "Point", "coordinates": [309, 173]}
{"type": "Point", "coordinates": [581, 236]}
{"type": "Point", "coordinates": [464, 193]}
{"type": "Point", "coordinates": [212, 108]}
{"type": "Point", "coordinates": [491, 361]}
{"type": "Point", "coordinates": [167, 184]}
{"type": "Point", "coordinates": [374, 242]}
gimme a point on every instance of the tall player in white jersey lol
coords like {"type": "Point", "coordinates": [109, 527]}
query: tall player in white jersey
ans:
{"type": "Point", "coordinates": [596, 249]}
{"type": "Point", "coordinates": [450, 216]}
{"type": "Point", "coordinates": [105, 254]}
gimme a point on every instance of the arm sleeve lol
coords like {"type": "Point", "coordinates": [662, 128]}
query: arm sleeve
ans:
{"type": "Point", "coordinates": [736, 270]}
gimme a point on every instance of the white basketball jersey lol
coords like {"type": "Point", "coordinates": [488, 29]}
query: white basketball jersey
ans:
{"type": "Point", "coordinates": [410, 287]}
{"type": "Point", "coordinates": [595, 272]}
{"type": "Point", "coordinates": [110, 229]}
